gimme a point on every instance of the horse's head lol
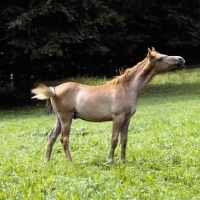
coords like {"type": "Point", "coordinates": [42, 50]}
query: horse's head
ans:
{"type": "Point", "coordinates": [162, 62]}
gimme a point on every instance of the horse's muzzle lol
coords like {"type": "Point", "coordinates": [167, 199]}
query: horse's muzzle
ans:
{"type": "Point", "coordinates": [180, 61]}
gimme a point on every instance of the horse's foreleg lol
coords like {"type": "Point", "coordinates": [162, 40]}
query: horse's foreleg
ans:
{"type": "Point", "coordinates": [52, 138]}
{"type": "Point", "coordinates": [117, 124]}
{"type": "Point", "coordinates": [124, 132]}
{"type": "Point", "coordinates": [65, 138]}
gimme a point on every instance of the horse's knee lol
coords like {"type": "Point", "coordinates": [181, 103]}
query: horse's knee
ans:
{"type": "Point", "coordinates": [114, 142]}
{"type": "Point", "coordinates": [64, 141]}
{"type": "Point", "coordinates": [54, 134]}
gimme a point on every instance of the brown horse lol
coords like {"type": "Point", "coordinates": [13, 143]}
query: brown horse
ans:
{"type": "Point", "coordinates": [114, 101]}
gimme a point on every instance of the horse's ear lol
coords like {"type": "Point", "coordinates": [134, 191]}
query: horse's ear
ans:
{"type": "Point", "coordinates": [149, 52]}
{"type": "Point", "coordinates": [153, 49]}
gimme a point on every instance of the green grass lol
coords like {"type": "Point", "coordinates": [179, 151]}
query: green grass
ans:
{"type": "Point", "coordinates": [163, 159]}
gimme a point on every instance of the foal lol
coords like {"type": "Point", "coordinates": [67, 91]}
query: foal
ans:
{"type": "Point", "coordinates": [114, 101]}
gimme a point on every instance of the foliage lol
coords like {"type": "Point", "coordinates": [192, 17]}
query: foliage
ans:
{"type": "Point", "coordinates": [179, 17]}
{"type": "Point", "coordinates": [61, 29]}
{"type": "Point", "coordinates": [86, 31]}
{"type": "Point", "coordinates": [162, 153]}
{"type": "Point", "coordinates": [57, 39]}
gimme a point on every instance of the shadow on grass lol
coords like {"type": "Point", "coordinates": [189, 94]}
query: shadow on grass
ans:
{"type": "Point", "coordinates": [7, 99]}
{"type": "Point", "coordinates": [171, 89]}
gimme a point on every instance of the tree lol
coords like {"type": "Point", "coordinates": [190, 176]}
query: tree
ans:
{"type": "Point", "coordinates": [60, 38]}
{"type": "Point", "coordinates": [52, 33]}
{"type": "Point", "coordinates": [181, 29]}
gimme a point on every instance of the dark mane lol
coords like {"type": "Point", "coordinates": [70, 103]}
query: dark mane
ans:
{"type": "Point", "coordinates": [124, 77]}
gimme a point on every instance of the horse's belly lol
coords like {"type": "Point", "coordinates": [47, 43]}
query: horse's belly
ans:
{"type": "Point", "coordinates": [93, 115]}
{"type": "Point", "coordinates": [93, 107]}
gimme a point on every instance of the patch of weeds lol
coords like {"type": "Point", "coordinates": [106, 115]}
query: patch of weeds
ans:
{"type": "Point", "coordinates": [162, 151]}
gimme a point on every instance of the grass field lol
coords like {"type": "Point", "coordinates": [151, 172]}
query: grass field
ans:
{"type": "Point", "coordinates": [163, 159]}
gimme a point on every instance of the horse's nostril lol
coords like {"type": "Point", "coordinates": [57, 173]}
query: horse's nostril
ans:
{"type": "Point", "coordinates": [181, 59]}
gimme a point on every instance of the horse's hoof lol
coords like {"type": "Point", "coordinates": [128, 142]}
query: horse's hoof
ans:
{"type": "Point", "coordinates": [46, 160]}
{"type": "Point", "coordinates": [110, 161]}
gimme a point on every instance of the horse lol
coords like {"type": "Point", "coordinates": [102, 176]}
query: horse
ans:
{"type": "Point", "coordinates": [114, 101]}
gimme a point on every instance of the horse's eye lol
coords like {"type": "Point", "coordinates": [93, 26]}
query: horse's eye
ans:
{"type": "Point", "coordinates": [160, 59]}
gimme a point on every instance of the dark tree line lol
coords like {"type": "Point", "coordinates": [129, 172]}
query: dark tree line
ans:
{"type": "Point", "coordinates": [55, 39]}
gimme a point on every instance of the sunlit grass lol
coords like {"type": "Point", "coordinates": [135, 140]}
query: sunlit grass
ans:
{"type": "Point", "coordinates": [162, 153]}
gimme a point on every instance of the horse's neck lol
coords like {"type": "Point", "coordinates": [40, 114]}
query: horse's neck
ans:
{"type": "Point", "coordinates": [142, 77]}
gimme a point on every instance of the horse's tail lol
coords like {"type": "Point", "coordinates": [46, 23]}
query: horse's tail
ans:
{"type": "Point", "coordinates": [43, 92]}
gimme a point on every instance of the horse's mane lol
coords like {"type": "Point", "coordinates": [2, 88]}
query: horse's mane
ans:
{"type": "Point", "coordinates": [125, 75]}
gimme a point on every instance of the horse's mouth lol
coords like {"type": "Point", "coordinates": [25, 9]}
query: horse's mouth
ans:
{"type": "Point", "coordinates": [179, 64]}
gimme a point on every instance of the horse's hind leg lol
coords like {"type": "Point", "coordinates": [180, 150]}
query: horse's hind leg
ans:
{"type": "Point", "coordinates": [66, 124]}
{"type": "Point", "coordinates": [52, 138]}
{"type": "Point", "coordinates": [48, 106]}
{"type": "Point", "coordinates": [124, 132]}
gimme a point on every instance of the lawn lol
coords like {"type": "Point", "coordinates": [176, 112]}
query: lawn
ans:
{"type": "Point", "coordinates": [163, 159]}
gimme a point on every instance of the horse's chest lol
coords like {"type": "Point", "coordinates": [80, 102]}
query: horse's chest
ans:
{"type": "Point", "coordinates": [131, 111]}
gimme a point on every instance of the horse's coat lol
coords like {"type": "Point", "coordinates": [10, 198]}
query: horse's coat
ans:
{"type": "Point", "coordinates": [114, 101]}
